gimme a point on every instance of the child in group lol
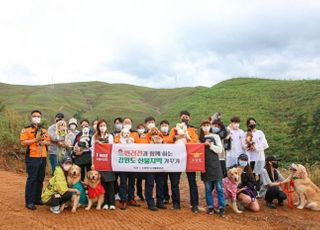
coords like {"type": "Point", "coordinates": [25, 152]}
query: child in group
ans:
{"type": "Point", "coordinates": [107, 177]}
{"type": "Point", "coordinates": [213, 176]}
{"type": "Point", "coordinates": [246, 194]}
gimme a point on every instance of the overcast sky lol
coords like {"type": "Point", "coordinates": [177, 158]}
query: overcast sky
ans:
{"type": "Point", "coordinates": [157, 43]}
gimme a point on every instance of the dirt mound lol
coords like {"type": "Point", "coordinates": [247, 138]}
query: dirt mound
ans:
{"type": "Point", "coordinates": [15, 216]}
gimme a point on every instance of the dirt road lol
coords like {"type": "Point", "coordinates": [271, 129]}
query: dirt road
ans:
{"type": "Point", "coordinates": [15, 216]}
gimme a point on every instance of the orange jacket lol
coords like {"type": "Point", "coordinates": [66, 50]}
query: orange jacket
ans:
{"type": "Point", "coordinates": [35, 150]}
{"type": "Point", "coordinates": [143, 139]}
{"type": "Point", "coordinates": [166, 139]}
{"type": "Point", "coordinates": [192, 133]}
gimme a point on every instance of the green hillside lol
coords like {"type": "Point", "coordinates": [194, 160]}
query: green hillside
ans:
{"type": "Point", "coordinates": [273, 103]}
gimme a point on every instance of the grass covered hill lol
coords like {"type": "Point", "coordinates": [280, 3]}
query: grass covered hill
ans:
{"type": "Point", "coordinates": [275, 104]}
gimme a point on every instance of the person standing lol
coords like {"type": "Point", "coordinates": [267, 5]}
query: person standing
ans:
{"type": "Point", "coordinates": [36, 139]}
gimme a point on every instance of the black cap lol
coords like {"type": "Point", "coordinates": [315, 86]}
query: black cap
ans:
{"type": "Point", "coordinates": [271, 158]}
{"type": "Point", "coordinates": [59, 115]}
{"type": "Point", "coordinates": [66, 159]}
{"type": "Point", "coordinates": [243, 156]}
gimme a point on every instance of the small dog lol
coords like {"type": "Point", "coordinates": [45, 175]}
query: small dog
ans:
{"type": "Point", "coordinates": [95, 189]}
{"type": "Point", "coordinates": [182, 135]}
{"type": "Point", "coordinates": [125, 137]}
{"type": "Point", "coordinates": [156, 136]}
{"type": "Point", "coordinates": [73, 179]}
{"type": "Point", "coordinates": [308, 192]}
{"type": "Point", "coordinates": [249, 141]}
{"type": "Point", "coordinates": [230, 186]}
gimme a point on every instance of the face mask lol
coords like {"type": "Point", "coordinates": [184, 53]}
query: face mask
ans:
{"type": "Point", "coordinates": [118, 126]}
{"type": "Point", "coordinates": [141, 131]}
{"type": "Point", "coordinates": [36, 120]}
{"type": "Point", "coordinates": [73, 127]}
{"type": "Point", "coordinates": [252, 126]}
{"type": "Point", "coordinates": [151, 125]}
{"type": "Point", "coordinates": [275, 165]}
{"type": "Point", "coordinates": [206, 129]}
{"type": "Point", "coordinates": [164, 129]}
{"type": "Point", "coordinates": [186, 121]}
{"type": "Point", "coordinates": [127, 127]}
{"type": "Point", "coordinates": [103, 129]}
{"type": "Point", "coordinates": [66, 167]}
{"type": "Point", "coordinates": [243, 163]}
{"type": "Point", "coordinates": [236, 125]}
{"type": "Point", "coordinates": [215, 129]}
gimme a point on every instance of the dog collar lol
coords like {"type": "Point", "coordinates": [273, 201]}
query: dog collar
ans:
{"type": "Point", "coordinates": [295, 178]}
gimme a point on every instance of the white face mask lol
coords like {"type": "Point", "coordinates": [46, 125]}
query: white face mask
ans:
{"type": "Point", "coordinates": [118, 126]}
{"type": "Point", "coordinates": [73, 127]}
{"type": "Point", "coordinates": [164, 129]}
{"type": "Point", "coordinates": [103, 129]}
{"type": "Point", "coordinates": [206, 129]}
{"type": "Point", "coordinates": [36, 120]}
{"type": "Point", "coordinates": [141, 131]}
{"type": "Point", "coordinates": [151, 125]}
{"type": "Point", "coordinates": [66, 167]}
{"type": "Point", "coordinates": [127, 127]}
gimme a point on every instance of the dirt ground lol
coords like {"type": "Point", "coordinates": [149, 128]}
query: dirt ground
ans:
{"type": "Point", "coordinates": [14, 215]}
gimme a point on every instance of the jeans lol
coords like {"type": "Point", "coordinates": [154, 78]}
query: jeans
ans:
{"type": "Point", "coordinates": [126, 189]}
{"type": "Point", "coordinates": [193, 189]}
{"type": "Point", "coordinates": [209, 186]}
{"type": "Point", "coordinates": [275, 193]}
{"type": "Point", "coordinates": [60, 200]}
{"type": "Point", "coordinates": [53, 162]}
{"type": "Point", "coordinates": [109, 198]}
{"type": "Point", "coordinates": [159, 179]}
{"type": "Point", "coordinates": [36, 168]}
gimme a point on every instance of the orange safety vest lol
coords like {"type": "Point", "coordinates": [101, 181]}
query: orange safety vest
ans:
{"type": "Point", "coordinates": [31, 132]}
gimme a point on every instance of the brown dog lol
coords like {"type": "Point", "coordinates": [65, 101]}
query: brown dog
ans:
{"type": "Point", "coordinates": [74, 177]}
{"type": "Point", "coordinates": [95, 189]}
{"type": "Point", "coordinates": [308, 192]}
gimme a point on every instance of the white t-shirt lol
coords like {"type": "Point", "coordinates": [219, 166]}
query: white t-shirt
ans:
{"type": "Point", "coordinates": [237, 143]}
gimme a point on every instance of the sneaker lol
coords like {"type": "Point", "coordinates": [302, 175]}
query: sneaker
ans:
{"type": "Point", "coordinates": [153, 208]}
{"type": "Point", "coordinates": [210, 211]}
{"type": "Point", "coordinates": [133, 203]}
{"type": "Point", "coordinates": [280, 203]}
{"type": "Point", "coordinates": [105, 207]}
{"type": "Point", "coordinates": [123, 205]}
{"type": "Point", "coordinates": [166, 201]}
{"type": "Point", "coordinates": [117, 197]}
{"type": "Point", "coordinates": [161, 206]}
{"type": "Point", "coordinates": [141, 198]}
{"type": "Point", "coordinates": [221, 212]}
{"type": "Point", "coordinates": [271, 205]}
{"type": "Point", "coordinates": [195, 209]}
{"type": "Point", "coordinates": [176, 207]}
{"type": "Point", "coordinates": [112, 207]}
{"type": "Point", "coordinates": [55, 209]}
{"type": "Point", "coordinates": [31, 206]}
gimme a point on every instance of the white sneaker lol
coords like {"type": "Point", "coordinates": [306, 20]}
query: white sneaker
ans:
{"type": "Point", "coordinates": [112, 207]}
{"type": "Point", "coordinates": [117, 197]}
{"type": "Point", "coordinates": [55, 209]}
{"type": "Point", "coordinates": [106, 207]}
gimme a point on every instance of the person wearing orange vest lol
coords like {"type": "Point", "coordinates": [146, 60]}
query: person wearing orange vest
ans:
{"type": "Point", "coordinates": [36, 139]}
{"type": "Point", "coordinates": [127, 179]}
{"type": "Point", "coordinates": [191, 138]}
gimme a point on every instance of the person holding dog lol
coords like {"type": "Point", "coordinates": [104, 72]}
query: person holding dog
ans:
{"type": "Point", "coordinates": [192, 137]}
{"type": "Point", "coordinates": [107, 177]}
{"type": "Point", "coordinates": [57, 192]}
{"type": "Point", "coordinates": [213, 176]}
{"type": "Point", "coordinates": [247, 194]}
{"type": "Point", "coordinates": [36, 139]}
{"type": "Point", "coordinates": [271, 180]}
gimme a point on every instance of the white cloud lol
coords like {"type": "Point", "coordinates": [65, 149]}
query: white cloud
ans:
{"type": "Point", "coordinates": [157, 43]}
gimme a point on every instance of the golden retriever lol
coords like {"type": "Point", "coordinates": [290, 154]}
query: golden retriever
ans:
{"type": "Point", "coordinates": [308, 192]}
{"type": "Point", "coordinates": [95, 189]}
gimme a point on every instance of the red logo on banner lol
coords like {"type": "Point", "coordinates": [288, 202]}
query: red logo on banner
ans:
{"type": "Point", "coordinates": [102, 157]}
{"type": "Point", "coordinates": [195, 158]}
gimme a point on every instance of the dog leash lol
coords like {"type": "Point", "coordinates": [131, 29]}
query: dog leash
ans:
{"type": "Point", "coordinates": [289, 192]}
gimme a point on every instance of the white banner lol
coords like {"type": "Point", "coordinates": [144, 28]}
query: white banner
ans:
{"type": "Point", "coordinates": [149, 158]}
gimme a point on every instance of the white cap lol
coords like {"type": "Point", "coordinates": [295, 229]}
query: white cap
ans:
{"type": "Point", "coordinates": [73, 121]}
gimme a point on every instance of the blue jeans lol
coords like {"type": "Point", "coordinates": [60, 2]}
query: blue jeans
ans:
{"type": "Point", "coordinates": [209, 186]}
{"type": "Point", "coordinates": [193, 189]}
{"type": "Point", "coordinates": [53, 162]}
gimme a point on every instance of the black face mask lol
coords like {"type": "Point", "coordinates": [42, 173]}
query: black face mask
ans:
{"type": "Point", "coordinates": [253, 126]}
{"type": "Point", "coordinates": [275, 165]}
{"type": "Point", "coordinates": [186, 121]}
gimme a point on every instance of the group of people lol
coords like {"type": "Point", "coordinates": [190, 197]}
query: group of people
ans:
{"type": "Point", "coordinates": [225, 147]}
